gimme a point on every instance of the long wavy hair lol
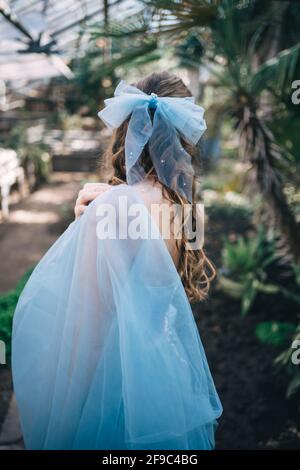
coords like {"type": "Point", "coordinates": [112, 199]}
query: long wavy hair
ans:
{"type": "Point", "coordinates": [195, 269]}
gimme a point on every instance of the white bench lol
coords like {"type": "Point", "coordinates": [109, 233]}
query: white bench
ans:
{"type": "Point", "coordinates": [11, 172]}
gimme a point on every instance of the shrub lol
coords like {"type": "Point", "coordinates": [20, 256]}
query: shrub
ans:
{"type": "Point", "coordinates": [244, 265]}
{"type": "Point", "coordinates": [8, 304]}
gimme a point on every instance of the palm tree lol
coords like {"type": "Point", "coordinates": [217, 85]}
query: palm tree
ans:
{"type": "Point", "coordinates": [257, 80]}
{"type": "Point", "coordinates": [237, 36]}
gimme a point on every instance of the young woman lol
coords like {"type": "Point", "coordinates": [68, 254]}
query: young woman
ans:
{"type": "Point", "coordinates": [106, 352]}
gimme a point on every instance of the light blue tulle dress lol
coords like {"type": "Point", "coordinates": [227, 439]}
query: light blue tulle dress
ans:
{"type": "Point", "coordinates": [106, 353]}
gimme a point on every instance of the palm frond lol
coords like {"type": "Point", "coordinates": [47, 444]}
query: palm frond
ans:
{"type": "Point", "coordinates": [136, 55]}
{"type": "Point", "coordinates": [259, 147]}
{"type": "Point", "coordinates": [201, 12]}
{"type": "Point", "coordinates": [277, 72]}
{"type": "Point", "coordinates": [135, 26]}
{"type": "Point", "coordinates": [162, 17]}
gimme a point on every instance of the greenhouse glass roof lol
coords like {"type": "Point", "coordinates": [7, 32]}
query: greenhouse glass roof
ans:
{"type": "Point", "coordinates": [37, 37]}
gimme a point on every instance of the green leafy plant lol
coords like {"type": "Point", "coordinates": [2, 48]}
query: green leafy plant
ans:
{"type": "Point", "coordinates": [244, 268]}
{"type": "Point", "coordinates": [274, 333]}
{"type": "Point", "coordinates": [284, 361]}
{"type": "Point", "coordinates": [8, 304]}
{"type": "Point", "coordinates": [34, 157]}
{"type": "Point", "coordinates": [281, 334]}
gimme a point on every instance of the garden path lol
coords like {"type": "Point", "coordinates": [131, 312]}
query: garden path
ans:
{"type": "Point", "coordinates": [33, 225]}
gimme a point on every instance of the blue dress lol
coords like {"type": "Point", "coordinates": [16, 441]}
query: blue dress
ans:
{"type": "Point", "coordinates": [105, 351]}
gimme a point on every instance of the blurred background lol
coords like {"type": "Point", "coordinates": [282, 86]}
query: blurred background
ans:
{"type": "Point", "coordinates": [241, 59]}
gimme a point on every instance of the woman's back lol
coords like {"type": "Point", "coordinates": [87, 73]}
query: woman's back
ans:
{"type": "Point", "coordinates": [152, 194]}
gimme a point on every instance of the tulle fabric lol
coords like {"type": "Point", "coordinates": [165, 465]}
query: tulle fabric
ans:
{"type": "Point", "coordinates": [174, 118]}
{"type": "Point", "coordinates": [106, 353]}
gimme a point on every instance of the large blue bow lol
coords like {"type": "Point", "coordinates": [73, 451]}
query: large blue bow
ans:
{"type": "Point", "coordinates": [173, 118]}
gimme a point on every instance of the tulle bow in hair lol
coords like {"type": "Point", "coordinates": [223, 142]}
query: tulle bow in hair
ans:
{"type": "Point", "coordinates": [173, 118]}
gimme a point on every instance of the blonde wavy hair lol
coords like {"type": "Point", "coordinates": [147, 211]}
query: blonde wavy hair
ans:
{"type": "Point", "coordinates": [195, 269]}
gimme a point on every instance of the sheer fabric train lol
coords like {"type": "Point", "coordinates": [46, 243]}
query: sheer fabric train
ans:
{"type": "Point", "coordinates": [106, 353]}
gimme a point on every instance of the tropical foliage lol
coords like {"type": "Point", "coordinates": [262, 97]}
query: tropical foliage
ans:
{"type": "Point", "coordinates": [256, 82]}
{"type": "Point", "coordinates": [251, 50]}
{"type": "Point", "coordinates": [8, 304]}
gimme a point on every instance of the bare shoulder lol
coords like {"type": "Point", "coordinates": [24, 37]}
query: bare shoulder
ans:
{"type": "Point", "coordinates": [163, 212]}
{"type": "Point", "coordinates": [121, 197]}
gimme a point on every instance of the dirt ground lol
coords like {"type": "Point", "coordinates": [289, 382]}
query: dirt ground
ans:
{"type": "Point", "coordinates": [34, 224]}
{"type": "Point", "coordinates": [256, 413]}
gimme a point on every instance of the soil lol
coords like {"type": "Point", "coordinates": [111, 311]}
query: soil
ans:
{"type": "Point", "coordinates": [256, 413]}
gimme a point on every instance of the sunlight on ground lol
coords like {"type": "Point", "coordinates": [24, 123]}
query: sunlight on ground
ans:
{"type": "Point", "coordinates": [31, 217]}
{"type": "Point", "coordinates": [51, 196]}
